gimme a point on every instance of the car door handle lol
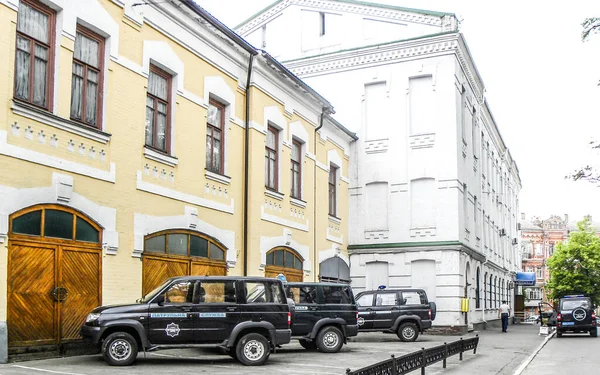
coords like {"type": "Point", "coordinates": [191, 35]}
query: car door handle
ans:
{"type": "Point", "coordinates": [186, 309]}
{"type": "Point", "coordinates": [231, 308]}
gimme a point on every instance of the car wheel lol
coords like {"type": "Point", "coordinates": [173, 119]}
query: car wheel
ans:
{"type": "Point", "coordinates": [330, 340]}
{"type": "Point", "coordinates": [309, 345]}
{"type": "Point", "coordinates": [119, 349]}
{"type": "Point", "coordinates": [253, 349]}
{"type": "Point", "coordinates": [594, 332]}
{"type": "Point", "coordinates": [408, 332]}
{"type": "Point", "coordinates": [558, 334]}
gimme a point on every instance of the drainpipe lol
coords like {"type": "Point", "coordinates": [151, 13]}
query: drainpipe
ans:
{"type": "Point", "coordinates": [324, 110]}
{"type": "Point", "coordinates": [246, 163]}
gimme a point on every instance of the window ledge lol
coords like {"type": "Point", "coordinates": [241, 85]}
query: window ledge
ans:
{"type": "Point", "coordinates": [33, 113]}
{"type": "Point", "coordinates": [274, 194]}
{"type": "Point", "coordinates": [160, 157]}
{"type": "Point", "coordinates": [217, 177]}
{"type": "Point", "coordinates": [297, 202]}
{"type": "Point", "coordinates": [335, 219]}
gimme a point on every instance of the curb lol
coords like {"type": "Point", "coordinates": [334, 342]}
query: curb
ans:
{"type": "Point", "coordinates": [524, 365]}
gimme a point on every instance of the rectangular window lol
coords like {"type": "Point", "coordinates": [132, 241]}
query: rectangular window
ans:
{"type": "Point", "coordinates": [157, 109]}
{"type": "Point", "coordinates": [214, 137]}
{"type": "Point", "coordinates": [296, 169]}
{"type": "Point", "coordinates": [34, 51]}
{"type": "Point", "coordinates": [86, 84]}
{"type": "Point", "coordinates": [332, 190]}
{"type": "Point", "coordinates": [422, 105]}
{"type": "Point", "coordinates": [321, 23]}
{"type": "Point", "coordinates": [271, 149]}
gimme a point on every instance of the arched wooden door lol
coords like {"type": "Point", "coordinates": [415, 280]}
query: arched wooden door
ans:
{"type": "Point", "coordinates": [54, 274]}
{"type": "Point", "coordinates": [286, 261]}
{"type": "Point", "coordinates": [180, 252]}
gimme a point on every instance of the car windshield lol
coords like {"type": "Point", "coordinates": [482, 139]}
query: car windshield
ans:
{"type": "Point", "coordinates": [572, 304]}
{"type": "Point", "coordinates": [148, 297]}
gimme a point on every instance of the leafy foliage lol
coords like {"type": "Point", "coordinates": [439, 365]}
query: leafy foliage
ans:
{"type": "Point", "coordinates": [575, 265]}
{"type": "Point", "coordinates": [590, 26]}
{"type": "Point", "coordinates": [588, 173]}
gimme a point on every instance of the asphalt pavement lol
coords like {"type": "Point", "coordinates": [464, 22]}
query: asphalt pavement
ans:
{"type": "Point", "coordinates": [497, 353]}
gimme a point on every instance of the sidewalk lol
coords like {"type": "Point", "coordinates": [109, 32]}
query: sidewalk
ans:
{"type": "Point", "coordinates": [497, 352]}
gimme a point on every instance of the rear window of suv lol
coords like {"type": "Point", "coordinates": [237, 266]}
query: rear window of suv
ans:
{"type": "Point", "coordinates": [337, 295]}
{"type": "Point", "coordinates": [572, 304]}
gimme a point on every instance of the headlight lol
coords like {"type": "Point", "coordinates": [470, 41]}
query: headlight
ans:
{"type": "Point", "coordinates": [91, 317]}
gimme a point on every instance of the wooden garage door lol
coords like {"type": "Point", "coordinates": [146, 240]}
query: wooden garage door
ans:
{"type": "Point", "coordinates": [54, 274]}
{"type": "Point", "coordinates": [31, 308]}
{"type": "Point", "coordinates": [285, 261]}
{"type": "Point", "coordinates": [180, 252]}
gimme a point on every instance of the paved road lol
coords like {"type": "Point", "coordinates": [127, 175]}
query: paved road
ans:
{"type": "Point", "coordinates": [498, 353]}
{"type": "Point", "coordinates": [574, 354]}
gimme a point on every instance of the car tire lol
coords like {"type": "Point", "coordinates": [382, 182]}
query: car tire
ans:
{"type": "Point", "coordinates": [253, 349]}
{"type": "Point", "coordinates": [408, 332]}
{"type": "Point", "coordinates": [594, 332]}
{"type": "Point", "coordinates": [308, 345]}
{"type": "Point", "coordinates": [330, 339]}
{"type": "Point", "coordinates": [120, 349]}
{"type": "Point", "coordinates": [558, 334]}
{"type": "Point", "coordinates": [232, 353]}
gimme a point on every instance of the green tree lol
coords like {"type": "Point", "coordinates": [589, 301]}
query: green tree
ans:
{"type": "Point", "coordinates": [575, 265]}
{"type": "Point", "coordinates": [590, 26]}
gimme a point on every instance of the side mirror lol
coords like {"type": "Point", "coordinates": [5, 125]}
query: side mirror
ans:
{"type": "Point", "coordinates": [160, 300]}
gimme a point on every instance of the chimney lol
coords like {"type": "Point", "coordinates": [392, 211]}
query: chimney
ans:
{"type": "Point", "coordinates": [566, 219]}
{"type": "Point", "coordinates": [522, 215]}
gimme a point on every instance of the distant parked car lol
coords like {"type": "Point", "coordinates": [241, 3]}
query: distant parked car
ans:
{"type": "Point", "coordinates": [405, 312]}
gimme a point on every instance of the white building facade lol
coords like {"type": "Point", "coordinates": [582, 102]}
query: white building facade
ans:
{"type": "Point", "coordinates": [434, 189]}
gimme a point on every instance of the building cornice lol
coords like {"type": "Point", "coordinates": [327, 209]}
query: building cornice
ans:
{"type": "Point", "coordinates": [365, 9]}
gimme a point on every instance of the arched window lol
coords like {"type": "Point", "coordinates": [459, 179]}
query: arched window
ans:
{"type": "Point", "coordinates": [491, 291]}
{"type": "Point", "coordinates": [477, 300]}
{"type": "Point", "coordinates": [184, 243]}
{"type": "Point", "coordinates": [55, 222]}
{"type": "Point", "coordinates": [179, 252]}
{"type": "Point", "coordinates": [496, 291]}
{"type": "Point", "coordinates": [286, 261]}
{"type": "Point", "coordinates": [485, 291]}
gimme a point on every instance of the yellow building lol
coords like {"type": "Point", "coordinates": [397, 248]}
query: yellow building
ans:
{"type": "Point", "coordinates": [142, 141]}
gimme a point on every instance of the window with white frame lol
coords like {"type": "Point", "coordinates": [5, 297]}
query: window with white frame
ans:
{"type": "Point", "coordinates": [271, 158]}
{"type": "Point", "coordinates": [34, 53]}
{"type": "Point", "coordinates": [215, 135]}
{"type": "Point", "coordinates": [333, 171]}
{"type": "Point", "coordinates": [158, 120]}
{"type": "Point", "coordinates": [86, 83]}
{"type": "Point", "coordinates": [296, 170]}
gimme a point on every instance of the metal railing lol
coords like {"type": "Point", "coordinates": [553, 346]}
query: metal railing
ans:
{"type": "Point", "coordinates": [419, 360]}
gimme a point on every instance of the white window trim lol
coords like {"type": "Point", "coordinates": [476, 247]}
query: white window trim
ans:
{"type": "Point", "coordinates": [217, 89]}
{"type": "Point", "coordinates": [59, 122]}
{"type": "Point", "coordinates": [161, 55]}
{"type": "Point", "coordinates": [274, 194]}
{"type": "Point", "coordinates": [217, 177]}
{"type": "Point", "coordinates": [160, 157]}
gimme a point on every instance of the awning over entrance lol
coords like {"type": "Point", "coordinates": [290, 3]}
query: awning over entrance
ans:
{"type": "Point", "coordinates": [525, 278]}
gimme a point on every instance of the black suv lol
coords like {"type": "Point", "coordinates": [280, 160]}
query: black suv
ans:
{"type": "Point", "coordinates": [405, 312]}
{"type": "Point", "coordinates": [324, 315]}
{"type": "Point", "coordinates": [576, 314]}
{"type": "Point", "coordinates": [245, 316]}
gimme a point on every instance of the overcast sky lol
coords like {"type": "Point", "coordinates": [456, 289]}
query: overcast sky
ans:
{"type": "Point", "coordinates": [541, 84]}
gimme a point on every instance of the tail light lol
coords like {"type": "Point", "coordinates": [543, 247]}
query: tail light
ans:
{"type": "Point", "coordinates": [289, 318]}
{"type": "Point", "coordinates": [559, 317]}
{"type": "Point", "coordinates": [593, 318]}
{"type": "Point", "coordinates": [429, 312]}
{"type": "Point", "coordinates": [357, 317]}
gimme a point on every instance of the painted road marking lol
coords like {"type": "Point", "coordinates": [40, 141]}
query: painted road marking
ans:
{"type": "Point", "coordinates": [44, 370]}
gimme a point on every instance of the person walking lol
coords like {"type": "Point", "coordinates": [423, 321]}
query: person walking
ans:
{"type": "Point", "coordinates": [504, 312]}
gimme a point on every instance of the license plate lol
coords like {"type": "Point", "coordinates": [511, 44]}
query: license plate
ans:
{"type": "Point", "coordinates": [568, 323]}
